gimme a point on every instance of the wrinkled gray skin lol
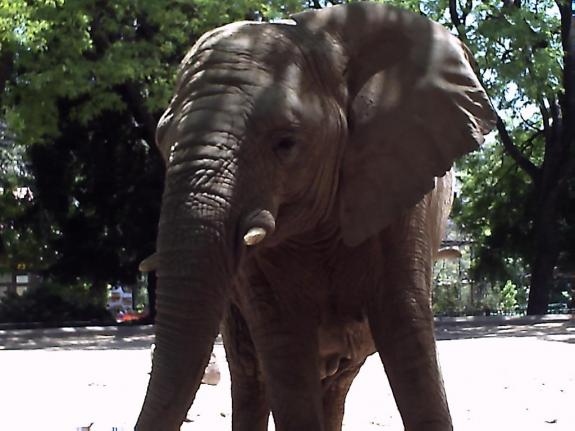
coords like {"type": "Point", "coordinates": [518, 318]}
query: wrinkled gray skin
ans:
{"type": "Point", "coordinates": [329, 134]}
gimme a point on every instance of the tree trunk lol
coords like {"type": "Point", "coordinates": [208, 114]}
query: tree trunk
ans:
{"type": "Point", "coordinates": [557, 167]}
{"type": "Point", "coordinates": [151, 288]}
{"type": "Point", "coordinates": [98, 291]}
{"type": "Point", "coordinates": [541, 280]}
{"type": "Point", "coordinates": [546, 244]}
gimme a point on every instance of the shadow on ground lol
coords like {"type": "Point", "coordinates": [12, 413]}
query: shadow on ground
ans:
{"type": "Point", "coordinates": [83, 338]}
{"type": "Point", "coordinates": [559, 328]}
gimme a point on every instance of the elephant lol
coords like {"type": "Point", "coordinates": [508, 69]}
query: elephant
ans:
{"type": "Point", "coordinates": [307, 185]}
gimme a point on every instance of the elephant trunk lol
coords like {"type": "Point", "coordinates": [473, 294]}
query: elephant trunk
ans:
{"type": "Point", "coordinates": [194, 266]}
{"type": "Point", "coordinates": [209, 216]}
{"type": "Point", "coordinates": [189, 310]}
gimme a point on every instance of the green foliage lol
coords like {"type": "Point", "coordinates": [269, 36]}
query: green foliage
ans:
{"type": "Point", "coordinates": [519, 51]}
{"type": "Point", "coordinates": [102, 198]}
{"type": "Point", "coordinates": [493, 207]}
{"type": "Point", "coordinates": [455, 293]}
{"type": "Point", "coordinates": [520, 58]}
{"type": "Point", "coordinates": [475, 300]}
{"type": "Point", "coordinates": [82, 50]}
{"type": "Point", "coordinates": [212, 14]}
{"type": "Point", "coordinates": [19, 231]}
{"type": "Point", "coordinates": [52, 304]}
{"type": "Point", "coordinates": [509, 297]}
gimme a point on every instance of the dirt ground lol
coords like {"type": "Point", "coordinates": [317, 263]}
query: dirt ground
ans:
{"type": "Point", "coordinates": [500, 374]}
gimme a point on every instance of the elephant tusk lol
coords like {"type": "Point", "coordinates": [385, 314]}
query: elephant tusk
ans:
{"type": "Point", "coordinates": [254, 236]}
{"type": "Point", "coordinates": [149, 264]}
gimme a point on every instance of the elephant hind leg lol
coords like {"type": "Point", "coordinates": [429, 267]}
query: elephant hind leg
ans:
{"type": "Point", "coordinates": [250, 408]}
{"type": "Point", "coordinates": [334, 398]}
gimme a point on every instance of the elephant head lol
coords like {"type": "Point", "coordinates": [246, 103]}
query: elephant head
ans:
{"type": "Point", "coordinates": [342, 117]}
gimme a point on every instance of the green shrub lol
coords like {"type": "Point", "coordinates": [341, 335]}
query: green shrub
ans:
{"type": "Point", "coordinates": [508, 302]}
{"type": "Point", "coordinates": [51, 304]}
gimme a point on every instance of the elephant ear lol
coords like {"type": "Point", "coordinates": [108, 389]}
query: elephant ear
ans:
{"type": "Point", "coordinates": [414, 105]}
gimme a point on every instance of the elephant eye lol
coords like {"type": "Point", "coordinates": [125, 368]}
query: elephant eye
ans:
{"type": "Point", "coordinates": [286, 148]}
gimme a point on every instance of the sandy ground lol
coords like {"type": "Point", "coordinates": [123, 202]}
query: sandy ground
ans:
{"type": "Point", "coordinates": [499, 375]}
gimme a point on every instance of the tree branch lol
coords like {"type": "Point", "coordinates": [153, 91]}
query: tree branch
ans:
{"type": "Point", "coordinates": [565, 12]}
{"type": "Point", "coordinates": [465, 11]}
{"type": "Point", "coordinates": [530, 124]}
{"type": "Point", "coordinates": [523, 162]}
{"type": "Point", "coordinates": [554, 110]}
{"type": "Point", "coordinates": [135, 101]}
{"type": "Point", "coordinates": [544, 115]}
{"type": "Point", "coordinates": [530, 140]}
{"type": "Point", "coordinates": [6, 67]}
{"type": "Point", "coordinates": [453, 13]}
{"type": "Point", "coordinates": [512, 3]}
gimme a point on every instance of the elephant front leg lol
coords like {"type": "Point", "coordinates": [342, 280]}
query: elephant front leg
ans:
{"type": "Point", "coordinates": [401, 322]}
{"type": "Point", "coordinates": [250, 408]}
{"type": "Point", "coordinates": [407, 349]}
{"type": "Point", "coordinates": [287, 349]}
{"type": "Point", "coordinates": [289, 361]}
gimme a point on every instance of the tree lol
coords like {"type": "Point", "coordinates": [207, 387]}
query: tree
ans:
{"type": "Point", "coordinates": [83, 97]}
{"type": "Point", "coordinates": [19, 233]}
{"type": "Point", "coordinates": [82, 89]}
{"type": "Point", "coordinates": [524, 52]}
{"type": "Point", "coordinates": [101, 185]}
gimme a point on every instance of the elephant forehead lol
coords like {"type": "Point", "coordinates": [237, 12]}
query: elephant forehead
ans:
{"type": "Point", "coordinates": [243, 54]}
{"type": "Point", "coordinates": [259, 41]}
{"type": "Point", "coordinates": [289, 102]}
